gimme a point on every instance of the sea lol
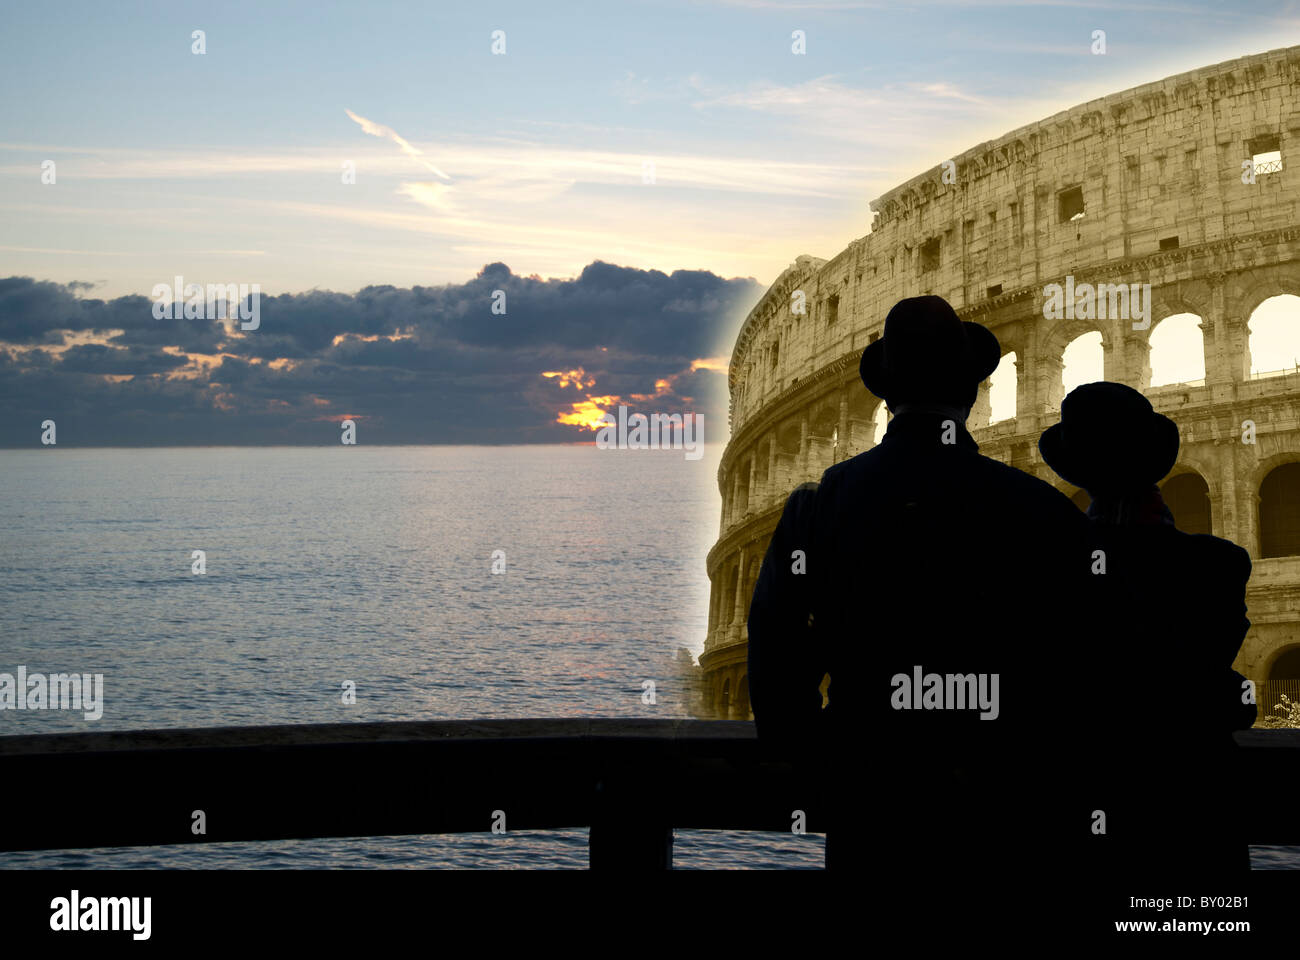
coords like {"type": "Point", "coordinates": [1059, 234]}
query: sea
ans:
{"type": "Point", "coordinates": [373, 565]}
{"type": "Point", "coordinates": [366, 564]}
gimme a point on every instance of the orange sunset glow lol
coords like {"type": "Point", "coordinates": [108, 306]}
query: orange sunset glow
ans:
{"type": "Point", "coordinates": [589, 413]}
{"type": "Point", "coordinates": [578, 379]}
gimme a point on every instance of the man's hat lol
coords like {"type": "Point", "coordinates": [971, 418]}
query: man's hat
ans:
{"type": "Point", "coordinates": [1110, 438]}
{"type": "Point", "coordinates": [928, 351]}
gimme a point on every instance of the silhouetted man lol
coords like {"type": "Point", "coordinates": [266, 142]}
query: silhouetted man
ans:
{"type": "Point", "coordinates": [934, 585]}
{"type": "Point", "coordinates": [1173, 610]}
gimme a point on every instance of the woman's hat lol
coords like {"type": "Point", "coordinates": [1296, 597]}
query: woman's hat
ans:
{"type": "Point", "coordinates": [927, 351]}
{"type": "Point", "coordinates": [1110, 438]}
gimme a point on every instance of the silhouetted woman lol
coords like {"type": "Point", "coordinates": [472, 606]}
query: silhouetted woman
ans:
{"type": "Point", "coordinates": [1155, 691]}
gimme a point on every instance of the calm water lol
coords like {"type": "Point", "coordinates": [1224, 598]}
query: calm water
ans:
{"type": "Point", "coordinates": [373, 565]}
{"type": "Point", "coordinates": [370, 564]}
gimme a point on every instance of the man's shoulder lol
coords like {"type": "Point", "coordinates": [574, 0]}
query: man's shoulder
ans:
{"type": "Point", "coordinates": [1015, 477]}
{"type": "Point", "coordinates": [1009, 492]}
{"type": "Point", "coordinates": [1021, 488]}
{"type": "Point", "coordinates": [1224, 555]}
{"type": "Point", "coordinates": [988, 471]}
{"type": "Point", "coordinates": [800, 504]}
{"type": "Point", "coordinates": [866, 460]}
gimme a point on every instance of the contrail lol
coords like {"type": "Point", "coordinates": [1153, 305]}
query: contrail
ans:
{"type": "Point", "coordinates": [379, 130]}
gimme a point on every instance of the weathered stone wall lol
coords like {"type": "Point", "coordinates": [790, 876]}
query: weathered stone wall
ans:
{"type": "Point", "coordinates": [1158, 170]}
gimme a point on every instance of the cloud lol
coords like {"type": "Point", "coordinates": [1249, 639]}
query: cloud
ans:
{"type": "Point", "coordinates": [379, 130]}
{"type": "Point", "coordinates": [409, 364]}
{"type": "Point", "coordinates": [428, 193]}
{"type": "Point", "coordinates": [552, 207]}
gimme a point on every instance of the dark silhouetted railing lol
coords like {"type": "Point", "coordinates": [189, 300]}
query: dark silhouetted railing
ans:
{"type": "Point", "coordinates": [632, 781]}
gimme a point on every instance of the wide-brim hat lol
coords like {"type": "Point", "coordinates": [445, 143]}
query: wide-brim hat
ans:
{"type": "Point", "coordinates": [926, 350]}
{"type": "Point", "coordinates": [1110, 438]}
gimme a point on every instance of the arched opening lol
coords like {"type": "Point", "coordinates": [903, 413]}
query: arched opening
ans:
{"type": "Point", "coordinates": [724, 699]}
{"type": "Point", "coordinates": [751, 580]}
{"type": "Point", "coordinates": [1002, 389]}
{"type": "Point", "coordinates": [822, 428]}
{"type": "Point", "coordinates": [1083, 361]}
{"type": "Point", "coordinates": [1279, 512]}
{"type": "Point", "coordinates": [743, 712]}
{"type": "Point", "coordinates": [742, 488]}
{"type": "Point", "coordinates": [1081, 499]}
{"type": "Point", "coordinates": [824, 420]}
{"type": "Point", "coordinates": [760, 464]}
{"type": "Point", "coordinates": [1188, 498]}
{"type": "Point", "coordinates": [1275, 337]}
{"type": "Point", "coordinates": [882, 418]}
{"type": "Point", "coordinates": [1283, 680]}
{"type": "Point", "coordinates": [727, 613]}
{"type": "Point", "coordinates": [1286, 666]}
{"type": "Point", "coordinates": [1177, 350]}
{"type": "Point", "coordinates": [861, 427]}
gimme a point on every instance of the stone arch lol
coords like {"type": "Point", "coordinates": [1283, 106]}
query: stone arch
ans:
{"type": "Point", "coordinates": [743, 709]}
{"type": "Point", "coordinates": [1279, 511]}
{"type": "Point", "coordinates": [1271, 282]}
{"type": "Point", "coordinates": [1268, 464]}
{"type": "Point", "coordinates": [1187, 495]}
{"type": "Point", "coordinates": [1194, 460]}
{"type": "Point", "coordinates": [1065, 332]}
{"type": "Point", "coordinates": [1172, 299]}
{"type": "Point", "coordinates": [1284, 664]}
{"type": "Point", "coordinates": [788, 437]}
{"type": "Point", "coordinates": [1051, 355]}
{"type": "Point", "coordinates": [724, 698]}
{"type": "Point", "coordinates": [824, 417]}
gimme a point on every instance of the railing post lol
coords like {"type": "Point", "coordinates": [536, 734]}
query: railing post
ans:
{"type": "Point", "coordinates": [628, 830]}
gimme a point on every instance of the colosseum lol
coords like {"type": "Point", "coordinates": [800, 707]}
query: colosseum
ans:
{"type": "Point", "coordinates": [1184, 184]}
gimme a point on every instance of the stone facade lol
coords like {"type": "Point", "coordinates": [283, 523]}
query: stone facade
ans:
{"type": "Point", "coordinates": [1157, 173]}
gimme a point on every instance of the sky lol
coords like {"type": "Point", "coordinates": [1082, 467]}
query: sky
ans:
{"type": "Point", "coordinates": [325, 150]}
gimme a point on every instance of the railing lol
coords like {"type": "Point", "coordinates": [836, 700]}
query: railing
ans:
{"type": "Point", "coordinates": [1267, 374]}
{"type": "Point", "coordinates": [631, 781]}
{"type": "Point", "coordinates": [1268, 695]}
{"type": "Point", "coordinates": [1172, 387]}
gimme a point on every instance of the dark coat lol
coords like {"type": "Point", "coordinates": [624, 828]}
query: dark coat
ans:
{"type": "Point", "coordinates": [1165, 764]}
{"type": "Point", "coordinates": [923, 554]}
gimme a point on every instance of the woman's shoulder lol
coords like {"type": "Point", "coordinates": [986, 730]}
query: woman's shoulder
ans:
{"type": "Point", "coordinates": [1195, 557]}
